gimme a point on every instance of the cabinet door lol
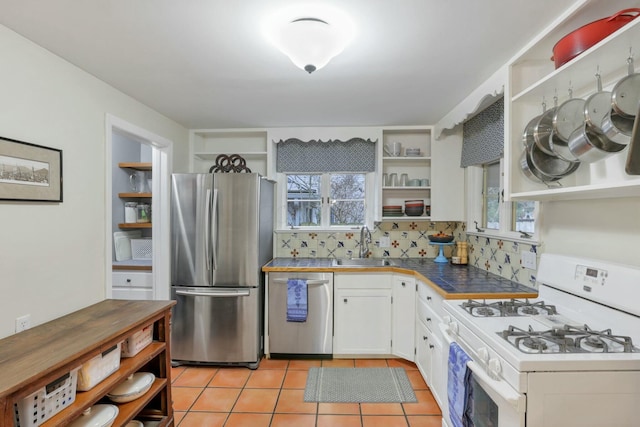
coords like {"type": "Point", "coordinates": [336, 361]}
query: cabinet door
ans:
{"type": "Point", "coordinates": [447, 179]}
{"type": "Point", "coordinates": [423, 353]}
{"type": "Point", "coordinates": [362, 320]}
{"type": "Point", "coordinates": [438, 380]}
{"type": "Point", "coordinates": [404, 300]}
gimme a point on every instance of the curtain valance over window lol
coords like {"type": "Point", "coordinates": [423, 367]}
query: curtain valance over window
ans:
{"type": "Point", "coordinates": [354, 155]}
{"type": "Point", "coordinates": [483, 136]}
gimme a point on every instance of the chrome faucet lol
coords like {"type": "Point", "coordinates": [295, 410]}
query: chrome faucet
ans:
{"type": "Point", "coordinates": [365, 239]}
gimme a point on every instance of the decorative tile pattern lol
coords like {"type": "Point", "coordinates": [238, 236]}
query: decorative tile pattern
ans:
{"type": "Point", "coordinates": [409, 240]}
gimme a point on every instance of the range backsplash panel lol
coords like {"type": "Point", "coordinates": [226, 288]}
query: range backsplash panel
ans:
{"type": "Point", "coordinates": [408, 239]}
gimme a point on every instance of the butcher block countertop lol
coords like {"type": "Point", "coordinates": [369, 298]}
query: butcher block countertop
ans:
{"type": "Point", "coordinates": [450, 281]}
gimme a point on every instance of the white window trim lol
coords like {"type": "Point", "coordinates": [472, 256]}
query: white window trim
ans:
{"type": "Point", "coordinates": [474, 211]}
{"type": "Point", "coordinates": [281, 202]}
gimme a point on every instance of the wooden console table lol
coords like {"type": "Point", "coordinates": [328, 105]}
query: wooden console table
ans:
{"type": "Point", "coordinates": [32, 359]}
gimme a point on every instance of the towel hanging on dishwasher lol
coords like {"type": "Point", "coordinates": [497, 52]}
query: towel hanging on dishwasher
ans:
{"type": "Point", "coordinates": [297, 304]}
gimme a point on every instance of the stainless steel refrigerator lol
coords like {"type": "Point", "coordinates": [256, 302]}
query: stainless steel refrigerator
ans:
{"type": "Point", "coordinates": [221, 235]}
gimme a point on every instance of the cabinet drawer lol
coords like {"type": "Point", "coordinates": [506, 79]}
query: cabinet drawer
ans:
{"type": "Point", "coordinates": [430, 297]}
{"type": "Point", "coordinates": [427, 315]}
{"type": "Point", "coordinates": [132, 280]}
{"type": "Point", "coordinates": [132, 293]}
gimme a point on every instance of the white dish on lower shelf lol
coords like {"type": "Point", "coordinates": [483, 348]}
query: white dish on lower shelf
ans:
{"type": "Point", "coordinates": [132, 388]}
{"type": "Point", "coordinates": [97, 416]}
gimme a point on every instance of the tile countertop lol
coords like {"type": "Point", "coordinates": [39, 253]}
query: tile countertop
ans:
{"type": "Point", "coordinates": [450, 281]}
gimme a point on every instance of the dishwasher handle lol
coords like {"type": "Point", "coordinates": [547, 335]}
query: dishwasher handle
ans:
{"type": "Point", "coordinates": [310, 282]}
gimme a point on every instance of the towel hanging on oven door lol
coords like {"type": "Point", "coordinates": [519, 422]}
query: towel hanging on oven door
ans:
{"type": "Point", "coordinates": [297, 304]}
{"type": "Point", "coordinates": [459, 390]}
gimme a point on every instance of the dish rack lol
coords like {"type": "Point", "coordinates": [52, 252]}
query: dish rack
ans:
{"type": "Point", "coordinates": [43, 404]}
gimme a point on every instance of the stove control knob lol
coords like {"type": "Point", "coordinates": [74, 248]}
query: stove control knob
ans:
{"type": "Point", "coordinates": [495, 368]}
{"type": "Point", "coordinates": [446, 319]}
{"type": "Point", "coordinates": [483, 354]}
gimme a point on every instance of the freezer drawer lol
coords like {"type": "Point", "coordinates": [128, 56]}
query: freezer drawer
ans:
{"type": "Point", "coordinates": [216, 326]}
{"type": "Point", "coordinates": [313, 337]}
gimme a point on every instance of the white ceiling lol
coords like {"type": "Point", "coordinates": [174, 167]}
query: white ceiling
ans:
{"type": "Point", "coordinates": [204, 63]}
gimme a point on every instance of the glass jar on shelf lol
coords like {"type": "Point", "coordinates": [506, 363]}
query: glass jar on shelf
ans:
{"type": "Point", "coordinates": [143, 213]}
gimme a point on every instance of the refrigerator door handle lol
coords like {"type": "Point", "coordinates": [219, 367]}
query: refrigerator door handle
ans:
{"type": "Point", "coordinates": [206, 229]}
{"type": "Point", "coordinates": [309, 282]}
{"type": "Point", "coordinates": [214, 293]}
{"type": "Point", "coordinates": [214, 228]}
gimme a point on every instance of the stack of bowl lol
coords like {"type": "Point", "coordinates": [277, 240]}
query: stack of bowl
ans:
{"type": "Point", "coordinates": [392, 210]}
{"type": "Point", "coordinates": [414, 207]}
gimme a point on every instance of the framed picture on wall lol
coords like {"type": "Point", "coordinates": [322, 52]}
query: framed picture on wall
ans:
{"type": "Point", "coordinates": [29, 172]}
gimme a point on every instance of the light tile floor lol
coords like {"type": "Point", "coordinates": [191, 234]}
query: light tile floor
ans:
{"type": "Point", "coordinates": [273, 396]}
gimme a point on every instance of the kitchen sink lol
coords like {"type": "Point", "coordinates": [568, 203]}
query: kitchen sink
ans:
{"type": "Point", "coordinates": [362, 262]}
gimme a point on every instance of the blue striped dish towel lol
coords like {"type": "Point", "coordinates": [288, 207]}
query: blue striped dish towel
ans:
{"type": "Point", "coordinates": [297, 300]}
{"type": "Point", "coordinates": [459, 390]}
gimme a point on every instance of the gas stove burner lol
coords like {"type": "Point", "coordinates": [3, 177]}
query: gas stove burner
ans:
{"type": "Point", "coordinates": [529, 310]}
{"type": "Point", "coordinates": [601, 341]}
{"type": "Point", "coordinates": [485, 311]}
{"type": "Point", "coordinates": [513, 307]}
{"type": "Point", "coordinates": [568, 339]}
{"type": "Point", "coordinates": [534, 344]}
{"type": "Point", "coordinates": [483, 308]}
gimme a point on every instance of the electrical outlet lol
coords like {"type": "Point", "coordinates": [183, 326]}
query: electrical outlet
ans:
{"type": "Point", "coordinates": [23, 322]}
{"type": "Point", "coordinates": [385, 241]}
{"type": "Point", "coordinates": [528, 259]}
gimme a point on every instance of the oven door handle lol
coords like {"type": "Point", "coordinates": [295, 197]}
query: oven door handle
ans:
{"type": "Point", "coordinates": [508, 394]}
{"type": "Point", "coordinates": [499, 387]}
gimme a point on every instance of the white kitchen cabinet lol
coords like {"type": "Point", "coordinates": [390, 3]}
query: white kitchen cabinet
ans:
{"type": "Point", "coordinates": [430, 355]}
{"type": "Point", "coordinates": [534, 79]}
{"type": "Point", "coordinates": [208, 144]}
{"type": "Point", "coordinates": [439, 163]}
{"type": "Point", "coordinates": [424, 355]}
{"type": "Point", "coordinates": [403, 317]}
{"type": "Point", "coordinates": [448, 187]}
{"type": "Point", "coordinates": [362, 314]}
{"type": "Point", "coordinates": [416, 167]}
{"type": "Point", "coordinates": [135, 285]}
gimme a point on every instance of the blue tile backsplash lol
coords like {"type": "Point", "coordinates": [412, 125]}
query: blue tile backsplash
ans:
{"type": "Point", "coordinates": [408, 239]}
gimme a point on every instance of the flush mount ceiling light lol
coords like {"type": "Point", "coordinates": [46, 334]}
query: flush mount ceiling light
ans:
{"type": "Point", "coordinates": [310, 35]}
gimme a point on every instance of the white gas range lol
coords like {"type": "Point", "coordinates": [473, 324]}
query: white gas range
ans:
{"type": "Point", "coordinates": [567, 358]}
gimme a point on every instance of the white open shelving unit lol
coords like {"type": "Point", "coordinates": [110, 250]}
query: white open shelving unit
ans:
{"type": "Point", "coordinates": [534, 79]}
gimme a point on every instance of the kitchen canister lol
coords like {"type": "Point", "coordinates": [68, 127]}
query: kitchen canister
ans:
{"type": "Point", "coordinates": [130, 212]}
{"type": "Point", "coordinates": [143, 212]}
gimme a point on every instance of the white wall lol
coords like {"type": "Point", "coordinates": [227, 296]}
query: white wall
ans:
{"type": "Point", "coordinates": [607, 229]}
{"type": "Point", "coordinates": [52, 255]}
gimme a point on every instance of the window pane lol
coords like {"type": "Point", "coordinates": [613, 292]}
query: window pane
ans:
{"type": "Point", "coordinates": [304, 200]}
{"type": "Point", "coordinates": [524, 216]}
{"type": "Point", "coordinates": [347, 199]}
{"type": "Point", "coordinates": [491, 196]}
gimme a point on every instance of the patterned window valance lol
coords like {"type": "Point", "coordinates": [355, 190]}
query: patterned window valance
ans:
{"type": "Point", "coordinates": [483, 136]}
{"type": "Point", "coordinates": [353, 155]}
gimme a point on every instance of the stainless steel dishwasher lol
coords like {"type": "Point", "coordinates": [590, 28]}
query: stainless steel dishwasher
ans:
{"type": "Point", "coordinates": [312, 338]}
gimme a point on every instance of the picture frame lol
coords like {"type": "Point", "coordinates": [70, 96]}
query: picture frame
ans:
{"type": "Point", "coordinates": [29, 172]}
